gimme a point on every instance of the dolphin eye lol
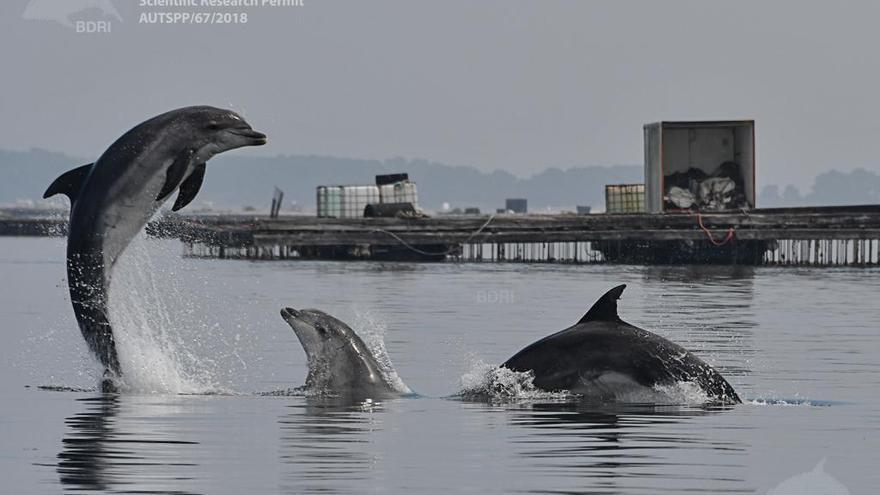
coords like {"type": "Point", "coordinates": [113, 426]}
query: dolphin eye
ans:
{"type": "Point", "coordinates": [214, 126]}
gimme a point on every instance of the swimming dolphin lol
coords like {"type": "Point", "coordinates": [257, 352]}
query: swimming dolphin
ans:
{"type": "Point", "coordinates": [113, 198]}
{"type": "Point", "coordinates": [603, 358]}
{"type": "Point", "coordinates": [340, 363]}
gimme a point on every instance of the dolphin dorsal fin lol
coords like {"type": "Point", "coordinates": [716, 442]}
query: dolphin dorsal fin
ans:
{"type": "Point", "coordinates": [605, 308]}
{"type": "Point", "coordinates": [69, 183]}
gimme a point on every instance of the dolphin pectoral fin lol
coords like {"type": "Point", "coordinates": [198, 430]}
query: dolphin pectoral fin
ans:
{"type": "Point", "coordinates": [173, 176]}
{"type": "Point", "coordinates": [605, 308]}
{"type": "Point", "coordinates": [190, 187]}
{"type": "Point", "coordinates": [69, 183]}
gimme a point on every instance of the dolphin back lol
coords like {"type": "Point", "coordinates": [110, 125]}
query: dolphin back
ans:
{"type": "Point", "coordinates": [571, 359]}
{"type": "Point", "coordinates": [602, 344]}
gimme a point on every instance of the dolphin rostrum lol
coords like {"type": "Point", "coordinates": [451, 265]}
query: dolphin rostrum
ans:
{"type": "Point", "coordinates": [339, 361]}
{"type": "Point", "coordinates": [113, 198]}
{"type": "Point", "coordinates": [602, 357]}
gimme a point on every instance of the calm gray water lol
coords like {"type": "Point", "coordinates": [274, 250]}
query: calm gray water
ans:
{"type": "Point", "coordinates": [200, 339]}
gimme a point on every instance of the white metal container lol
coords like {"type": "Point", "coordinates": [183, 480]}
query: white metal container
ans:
{"type": "Point", "coordinates": [682, 154]}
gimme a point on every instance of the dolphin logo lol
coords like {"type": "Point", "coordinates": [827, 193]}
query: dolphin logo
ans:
{"type": "Point", "coordinates": [816, 481]}
{"type": "Point", "coordinates": [60, 11]}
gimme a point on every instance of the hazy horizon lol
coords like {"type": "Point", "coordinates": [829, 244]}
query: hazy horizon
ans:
{"type": "Point", "coordinates": [514, 86]}
{"type": "Point", "coordinates": [239, 155]}
{"type": "Point", "coordinates": [239, 179]}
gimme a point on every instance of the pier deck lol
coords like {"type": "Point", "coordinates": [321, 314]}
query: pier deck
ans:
{"type": "Point", "coordinates": [820, 236]}
{"type": "Point", "coordinates": [793, 236]}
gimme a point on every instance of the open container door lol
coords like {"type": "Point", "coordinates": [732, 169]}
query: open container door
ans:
{"type": "Point", "coordinates": [700, 166]}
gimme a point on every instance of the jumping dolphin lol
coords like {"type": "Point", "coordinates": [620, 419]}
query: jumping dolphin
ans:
{"type": "Point", "coordinates": [340, 363]}
{"type": "Point", "coordinates": [113, 198]}
{"type": "Point", "coordinates": [602, 356]}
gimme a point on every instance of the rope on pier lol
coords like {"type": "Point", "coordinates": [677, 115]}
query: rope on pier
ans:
{"type": "Point", "coordinates": [714, 242]}
{"type": "Point", "coordinates": [428, 253]}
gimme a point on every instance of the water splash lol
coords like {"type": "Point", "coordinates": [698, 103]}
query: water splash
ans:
{"type": "Point", "coordinates": [484, 381]}
{"type": "Point", "coordinates": [158, 327]}
{"type": "Point", "coordinates": [489, 382]}
{"type": "Point", "coordinates": [792, 402]}
{"type": "Point", "coordinates": [372, 330]}
{"type": "Point", "coordinates": [682, 393]}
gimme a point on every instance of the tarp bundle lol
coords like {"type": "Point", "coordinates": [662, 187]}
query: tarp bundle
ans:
{"type": "Point", "coordinates": [694, 189]}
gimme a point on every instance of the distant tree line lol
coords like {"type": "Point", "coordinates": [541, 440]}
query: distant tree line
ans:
{"type": "Point", "coordinates": [832, 188]}
{"type": "Point", "coordinates": [239, 180]}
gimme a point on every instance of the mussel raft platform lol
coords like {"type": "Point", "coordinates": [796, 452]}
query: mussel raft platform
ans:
{"type": "Point", "coordinates": [821, 236]}
{"type": "Point", "coordinates": [796, 236]}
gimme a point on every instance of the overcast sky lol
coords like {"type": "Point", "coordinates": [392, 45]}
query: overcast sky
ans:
{"type": "Point", "coordinates": [507, 84]}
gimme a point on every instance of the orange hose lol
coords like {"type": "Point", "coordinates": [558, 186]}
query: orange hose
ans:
{"type": "Point", "coordinates": [727, 239]}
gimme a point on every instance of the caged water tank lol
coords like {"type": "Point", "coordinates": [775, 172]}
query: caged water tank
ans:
{"type": "Point", "coordinates": [345, 201]}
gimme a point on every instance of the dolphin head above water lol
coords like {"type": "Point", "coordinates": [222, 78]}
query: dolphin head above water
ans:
{"type": "Point", "coordinates": [339, 361]}
{"type": "Point", "coordinates": [319, 333]}
{"type": "Point", "coordinates": [211, 131]}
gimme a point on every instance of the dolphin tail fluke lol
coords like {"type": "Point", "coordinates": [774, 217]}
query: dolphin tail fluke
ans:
{"type": "Point", "coordinates": [605, 309]}
{"type": "Point", "coordinates": [69, 183]}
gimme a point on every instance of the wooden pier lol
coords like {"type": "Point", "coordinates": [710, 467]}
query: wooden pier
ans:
{"type": "Point", "coordinates": [799, 236]}
{"type": "Point", "coordinates": [33, 227]}
{"type": "Point", "coordinates": [823, 236]}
